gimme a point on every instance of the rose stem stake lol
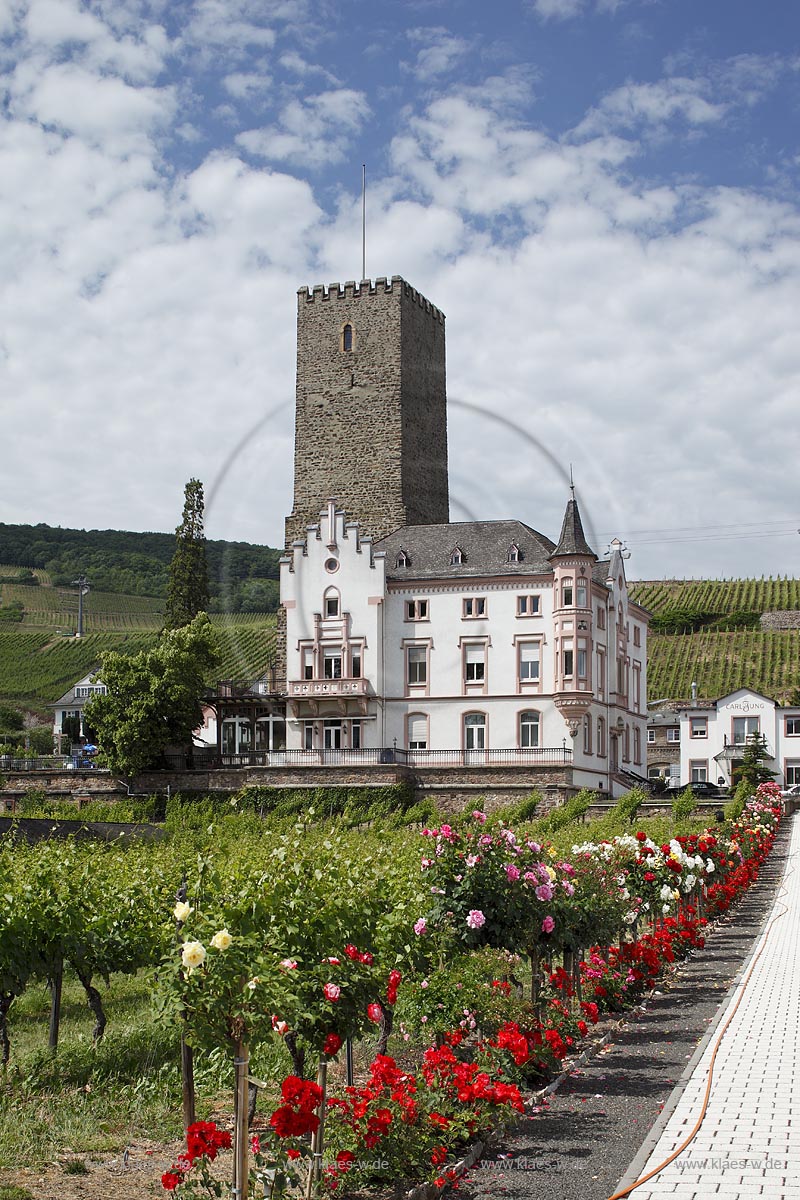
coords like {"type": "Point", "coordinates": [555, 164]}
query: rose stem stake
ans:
{"type": "Point", "coordinates": [318, 1136]}
{"type": "Point", "coordinates": [187, 1058]}
{"type": "Point", "coordinates": [241, 1166]}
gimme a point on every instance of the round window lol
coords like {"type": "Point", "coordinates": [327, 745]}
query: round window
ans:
{"type": "Point", "coordinates": [331, 565]}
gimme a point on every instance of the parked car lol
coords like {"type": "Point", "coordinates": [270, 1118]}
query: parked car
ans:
{"type": "Point", "coordinates": [791, 792]}
{"type": "Point", "coordinates": [709, 790]}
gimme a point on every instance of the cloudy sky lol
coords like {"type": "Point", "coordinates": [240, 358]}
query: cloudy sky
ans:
{"type": "Point", "coordinates": [600, 194]}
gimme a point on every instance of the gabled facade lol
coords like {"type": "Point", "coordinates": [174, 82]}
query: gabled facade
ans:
{"type": "Point", "coordinates": [714, 736]}
{"type": "Point", "coordinates": [68, 722]}
{"type": "Point", "coordinates": [465, 644]}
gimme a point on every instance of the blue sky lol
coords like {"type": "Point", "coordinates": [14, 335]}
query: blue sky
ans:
{"type": "Point", "coordinates": [600, 194]}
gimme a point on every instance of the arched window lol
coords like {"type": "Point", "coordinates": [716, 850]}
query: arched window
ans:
{"type": "Point", "coordinates": [331, 604]}
{"type": "Point", "coordinates": [587, 734]}
{"type": "Point", "coordinates": [348, 337]}
{"type": "Point", "coordinates": [601, 736]}
{"type": "Point", "coordinates": [475, 731]}
{"type": "Point", "coordinates": [529, 729]}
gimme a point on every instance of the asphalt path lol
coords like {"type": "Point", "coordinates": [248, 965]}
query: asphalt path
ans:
{"type": "Point", "coordinates": [577, 1143]}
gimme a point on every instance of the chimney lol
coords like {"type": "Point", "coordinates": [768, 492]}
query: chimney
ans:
{"type": "Point", "coordinates": [694, 693]}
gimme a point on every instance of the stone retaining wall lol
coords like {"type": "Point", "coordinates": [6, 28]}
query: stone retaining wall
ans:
{"type": "Point", "coordinates": [788, 619]}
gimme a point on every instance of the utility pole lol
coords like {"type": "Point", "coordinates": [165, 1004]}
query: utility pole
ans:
{"type": "Point", "coordinates": [82, 584]}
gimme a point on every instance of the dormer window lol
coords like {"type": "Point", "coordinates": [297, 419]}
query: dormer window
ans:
{"type": "Point", "coordinates": [457, 556]}
{"type": "Point", "coordinates": [513, 553]}
{"type": "Point", "coordinates": [348, 337]}
{"type": "Point", "coordinates": [402, 559]}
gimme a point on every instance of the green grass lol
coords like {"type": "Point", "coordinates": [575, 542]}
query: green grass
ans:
{"type": "Point", "coordinates": [89, 1100]}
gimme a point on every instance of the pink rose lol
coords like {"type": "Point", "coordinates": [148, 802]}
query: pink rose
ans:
{"type": "Point", "coordinates": [420, 927]}
{"type": "Point", "coordinates": [475, 918]}
{"type": "Point", "coordinates": [548, 925]}
{"type": "Point", "coordinates": [512, 872]}
{"type": "Point", "coordinates": [331, 991]}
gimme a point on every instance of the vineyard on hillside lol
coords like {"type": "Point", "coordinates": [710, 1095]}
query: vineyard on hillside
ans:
{"type": "Point", "coordinates": [719, 663]}
{"type": "Point", "coordinates": [707, 631]}
{"type": "Point", "coordinates": [718, 595]}
{"type": "Point", "coordinates": [37, 667]}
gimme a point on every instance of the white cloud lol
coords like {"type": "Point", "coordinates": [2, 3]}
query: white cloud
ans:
{"type": "Point", "coordinates": [297, 65]}
{"type": "Point", "coordinates": [68, 97]}
{"type": "Point", "coordinates": [56, 25]}
{"type": "Point", "coordinates": [246, 85]}
{"type": "Point", "coordinates": [564, 10]}
{"type": "Point", "coordinates": [313, 131]}
{"type": "Point", "coordinates": [649, 105]}
{"type": "Point", "coordinates": [441, 52]}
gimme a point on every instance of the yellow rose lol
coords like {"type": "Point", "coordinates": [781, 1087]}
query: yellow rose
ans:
{"type": "Point", "coordinates": [551, 873]}
{"type": "Point", "coordinates": [193, 954]}
{"type": "Point", "coordinates": [181, 911]}
{"type": "Point", "coordinates": [221, 940]}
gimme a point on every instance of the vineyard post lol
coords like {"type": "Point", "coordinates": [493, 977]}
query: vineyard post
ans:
{"type": "Point", "coordinates": [318, 1136]}
{"type": "Point", "coordinates": [187, 1082]}
{"type": "Point", "coordinates": [241, 1133]}
{"type": "Point", "coordinates": [56, 980]}
{"type": "Point", "coordinates": [187, 1057]}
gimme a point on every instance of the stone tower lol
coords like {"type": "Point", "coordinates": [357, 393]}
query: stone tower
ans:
{"type": "Point", "coordinates": [371, 407]}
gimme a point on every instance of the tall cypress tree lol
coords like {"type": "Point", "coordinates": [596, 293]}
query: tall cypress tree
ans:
{"type": "Point", "coordinates": [187, 592]}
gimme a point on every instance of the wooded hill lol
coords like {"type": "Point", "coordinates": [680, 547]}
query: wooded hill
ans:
{"type": "Point", "coordinates": [242, 577]}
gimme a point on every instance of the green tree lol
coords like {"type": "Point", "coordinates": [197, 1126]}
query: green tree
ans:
{"type": "Point", "coordinates": [752, 771]}
{"type": "Point", "coordinates": [187, 591]}
{"type": "Point", "coordinates": [153, 698]}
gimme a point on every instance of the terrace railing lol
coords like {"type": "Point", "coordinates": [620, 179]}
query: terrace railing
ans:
{"type": "Point", "coordinates": [540, 756]}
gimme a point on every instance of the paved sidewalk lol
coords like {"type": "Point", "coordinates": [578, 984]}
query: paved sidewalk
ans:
{"type": "Point", "coordinates": [748, 1144]}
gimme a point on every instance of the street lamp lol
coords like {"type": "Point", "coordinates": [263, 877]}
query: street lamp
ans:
{"type": "Point", "coordinates": [82, 584]}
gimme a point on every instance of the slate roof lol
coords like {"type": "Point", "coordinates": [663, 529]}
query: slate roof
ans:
{"type": "Point", "coordinates": [572, 540]}
{"type": "Point", "coordinates": [485, 546]}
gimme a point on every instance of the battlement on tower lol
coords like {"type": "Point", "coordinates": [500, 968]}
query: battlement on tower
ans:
{"type": "Point", "coordinates": [352, 290]}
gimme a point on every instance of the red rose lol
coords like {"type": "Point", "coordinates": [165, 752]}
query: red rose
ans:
{"type": "Point", "coordinates": [169, 1181]}
{"type": "Point", "coordinates": [288, 1123]}
{"type": "Point", "coordinates": [333, 1044]}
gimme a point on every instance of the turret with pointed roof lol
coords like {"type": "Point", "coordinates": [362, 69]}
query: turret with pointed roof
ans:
{"type": "Point", "coordinates": [572, 540]}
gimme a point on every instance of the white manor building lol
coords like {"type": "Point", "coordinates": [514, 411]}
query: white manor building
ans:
{"type": "Point", "coordinates": [714, 735]}
{"type": "Point", "coordinates": [465, 644]}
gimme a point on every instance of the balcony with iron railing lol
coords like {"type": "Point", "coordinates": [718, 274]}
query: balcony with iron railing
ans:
{"type": "Point", "coordinates": [207, 758]}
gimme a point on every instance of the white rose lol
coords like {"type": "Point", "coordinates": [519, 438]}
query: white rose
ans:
{"type": "Point", "coordinates": [181, 911]}
{"type": "Point", "coordinates": [666, 892]}
{"type": "Point", "coordinates": [710, 867]}
{"type": "Point", "coordinates": [193, 954]}
{"type": "Point", "coordinates": [221, 940]}
{"type": "Point", "coordinates": [689, 882]}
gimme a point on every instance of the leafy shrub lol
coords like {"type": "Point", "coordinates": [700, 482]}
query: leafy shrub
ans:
{"type": "Point", "coordinates": [569, 813]}
{"type": "Point", "coordinates": [684, 805]}
{"type": "Point", "coordinates": [735, 807]}
{"type": "Point", "coordinates": [523, 810]}
{"type": "Point", "coordinates": [628, 805]}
